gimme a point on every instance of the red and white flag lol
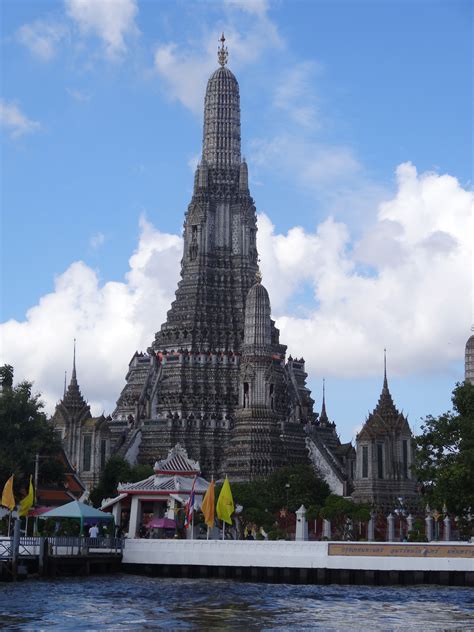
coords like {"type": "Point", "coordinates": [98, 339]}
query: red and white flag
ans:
{"type": "Point", "coordinates": [189, 508]}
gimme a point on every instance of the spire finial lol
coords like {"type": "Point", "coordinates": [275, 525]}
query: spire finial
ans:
{"type": "Point", "coordinates": [385, 368]}
{"type": "Point", "coordinates": [65, 378]}
{"type": "Point", "coordinates": [222, 52]}
{"type": "Point", "coordinates": [258, 276]}
{"type": "Point", "coordinates": [74, 361]}
{"type": "Point", "coordinates": [323, 417]}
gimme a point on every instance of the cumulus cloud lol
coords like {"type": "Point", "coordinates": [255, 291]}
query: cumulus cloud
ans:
{"type": "Point", "coordinates": [15, 121]}
{"type": "Point", "coordinates": [110, 322]}
{"type": "Point", "coordinates": [42, 38]}
{"type": "Point", "coordinates": [401, 285]}
{"type": "Point", "coordinates": [413, 298]}
{"type": "Point", "coordinates": [113, 21]}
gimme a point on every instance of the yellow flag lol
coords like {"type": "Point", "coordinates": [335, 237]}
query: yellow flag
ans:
{"type": "Point", "coordinates": [207, 506]}
{"type": "Point", "coordinates": [8, 499]}
{"type": "Point", "coordinates": [27, 502]}
{"type": "Point", "coordinates": [225, 503]}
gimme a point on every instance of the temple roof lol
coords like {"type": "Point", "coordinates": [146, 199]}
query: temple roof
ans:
{"type": "Point", "coordinates": [165, 484]}
{"type": "Point", "coordinates": [177, 462]}
{"type": "Point", "coordinates": [221, 135]}
{"type": "Point", "coordinates": [73, 399]}
{"type": "Point", "coordinates": [385, 417]}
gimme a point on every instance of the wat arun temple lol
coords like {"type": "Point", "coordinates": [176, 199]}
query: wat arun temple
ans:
{"type": "Point", "coordinates": [216, 379]}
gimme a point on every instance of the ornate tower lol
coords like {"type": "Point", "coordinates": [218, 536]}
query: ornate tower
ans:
{"type": "Point", "coordinates": [86, 439]}
{"type": "Point", "coordinates": [262, 437]}
{"type": "Point", "coordinates": [384, 457]}
{"type": "Point", "coordinates": [186, 389]}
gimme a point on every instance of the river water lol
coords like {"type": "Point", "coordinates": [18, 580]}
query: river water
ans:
{"type": "Point", "coordinates": [131, 602]}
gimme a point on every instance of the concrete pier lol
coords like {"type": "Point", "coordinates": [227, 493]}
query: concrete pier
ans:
{"type": "Point", "coordinates": [304, 562]}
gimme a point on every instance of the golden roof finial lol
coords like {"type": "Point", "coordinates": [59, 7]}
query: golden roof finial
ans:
{"type": "Point", "coordinates": [222, 52]}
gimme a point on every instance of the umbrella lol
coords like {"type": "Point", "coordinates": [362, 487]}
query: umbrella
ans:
{"type": "Point", "coordinates": [161, 523]}
{"type": "Point", "coordinates": [76, 509]}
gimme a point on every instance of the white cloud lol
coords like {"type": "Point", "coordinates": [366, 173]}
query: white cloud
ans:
{"type": "Point", "coordinates": [97, 240]}
{"type": "Point", "coordinates": [312, 162]}
{"type": "Point", "coordinates": [113, 21]}
{"type": "Point", "coordinates": [414, 302]}
{"type": "Point", "coordinates": [185, 70]}
{"type": "Point", "coordinates": [295, 94]}
{"type": "Point", "coordinates": [110, 322]}
{"type": "Point", "coordinates": [14, 121]}
{"type": "Point", "coordinates": [332, 174]}
{"type": "Point", "coordinates": [42, 38]}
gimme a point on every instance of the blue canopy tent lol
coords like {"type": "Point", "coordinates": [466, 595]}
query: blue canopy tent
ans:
{"type": "Point", "coordinates": [76, 509]}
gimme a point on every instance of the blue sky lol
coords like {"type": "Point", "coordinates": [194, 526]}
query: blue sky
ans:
{"type": "Point", "coordinates": [356, 123]}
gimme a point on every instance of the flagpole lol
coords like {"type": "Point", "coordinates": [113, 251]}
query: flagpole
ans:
{"type": "Point", "coordinates": [192, 525]}
{"type": "Point", "coordinates": [207, 532]}
{"type": "Point", "coordinates": [9, 522]}
{"type": "Point", "coordinates": [223, 530]}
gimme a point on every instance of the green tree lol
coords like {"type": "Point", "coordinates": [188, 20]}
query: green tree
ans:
{"type": "Point", "coordinates": [6, 376]}
{"type": "Point", "coordinates": [289, 487]}
{"type": "Point", "coordinates": [25, 431]}
{"type": "Point", "coordinates": [117, 470]}
{"type": "Point", "coordinates": [444, 461]}
{"type": "Point", "coordinates": [339, 510]}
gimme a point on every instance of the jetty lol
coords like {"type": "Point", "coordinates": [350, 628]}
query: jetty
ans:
{"type": "Point", "coordinates": [57, 556]}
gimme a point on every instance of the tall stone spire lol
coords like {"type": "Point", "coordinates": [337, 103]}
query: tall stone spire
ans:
{"type": "Point", "coordinates": [190, 385]}
{"type": "Point", "coordinates": [385, 407]}
{"type": "Point", "coordinates": [221, 135]}
{"type": "Point", "coordinates": [73, 398]}
{"type": "Point", "coordinates": [323, 417]}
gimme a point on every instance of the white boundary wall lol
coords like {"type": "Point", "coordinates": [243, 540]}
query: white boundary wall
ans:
{"type": "Point", "coordinates": [283, 554]}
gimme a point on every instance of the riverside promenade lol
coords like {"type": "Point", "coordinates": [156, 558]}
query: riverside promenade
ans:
{"type": "Point", "coordinates": [448, 563]}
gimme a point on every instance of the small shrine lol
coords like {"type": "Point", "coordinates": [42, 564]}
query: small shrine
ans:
{"type": "Point", "coordinates": [154, 507]}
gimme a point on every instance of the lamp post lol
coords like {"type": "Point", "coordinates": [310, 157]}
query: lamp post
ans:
{"type": "Point", "coordinates": [37, 460]}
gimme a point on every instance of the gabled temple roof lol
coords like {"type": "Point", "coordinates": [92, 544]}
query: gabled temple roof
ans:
{"type": "Point", "coordinates": [177, 462]}
{"type": "Point", "coordinates": [385, 417]}
{"type": "Point", "coordinates": [165, 485]}
{"type": "Point", "coordinates": [73, 399]}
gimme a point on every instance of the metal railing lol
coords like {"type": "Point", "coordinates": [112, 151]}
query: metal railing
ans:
{"type": "Point", "coordinates": [61, 546]}
{"type": "Point", "coordinates": [65, 545]}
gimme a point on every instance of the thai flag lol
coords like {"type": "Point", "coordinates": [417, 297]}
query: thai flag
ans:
{"type": "Point", "coordinates": [189, 509]}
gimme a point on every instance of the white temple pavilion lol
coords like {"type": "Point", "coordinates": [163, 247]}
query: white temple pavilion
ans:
{"type": "Point", "coordinates": [160, 498]}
